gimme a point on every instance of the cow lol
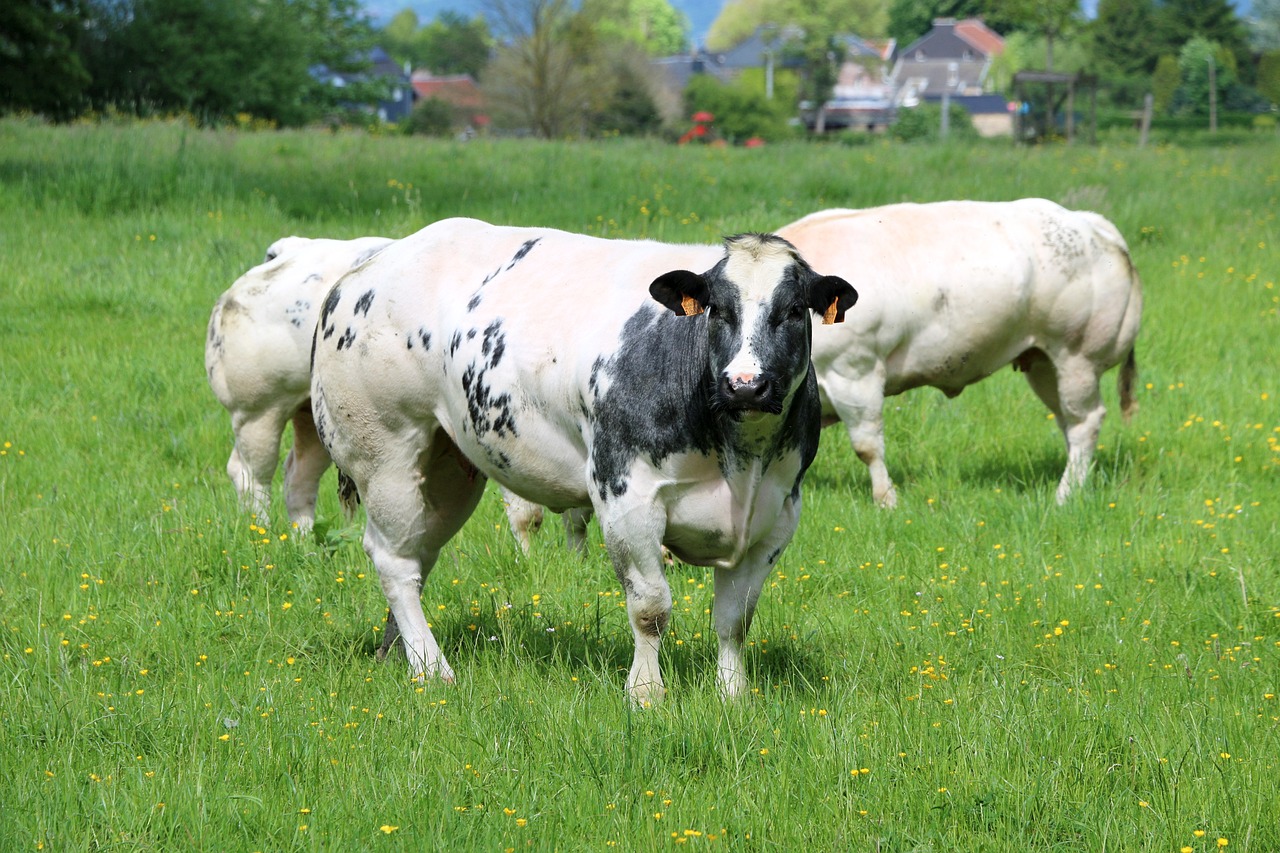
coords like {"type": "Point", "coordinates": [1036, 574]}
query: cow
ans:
{"type": "Point", "coordinates": [953, 291]}
{"type": "Point", "coordinates": [679, 405]}
{"type": "Point", "coordinates": [257, 361]}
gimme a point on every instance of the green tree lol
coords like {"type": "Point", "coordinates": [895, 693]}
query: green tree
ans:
{"type": "Point", "coordinates": [1198, 58]}
{"type": "Point", "coordinates": [1165, 81]}
{"type": "Point", "coordinates": [1264, 25]}
{"type": "Point", "coordinates": [655, 26]}
{"type": "Point", "coordinates": [739, 19]}
{"type": "Point", "coordinates": [217, 58]}
{"type": "Point", "coordinates": [910, 19]}
{"type": "Point", "coordinates": [1269, 76]}
{"type": "Point", "coordinates": [401, 38]}
{"type": "Point", "coordinates": [1050, 19]}
{"type": "Point", "coordinates": [1119, 38]}
{"type": "Point", "coordinates": [453, 44]}
{"type": "Point", "coordinates": [741, 110]}
{"type": "Point", "coordinates": [536, 81]}
{"type": "Point", "coordinates": [1178, 21]}
{"type": "Point", "coordinates": [40, 67]}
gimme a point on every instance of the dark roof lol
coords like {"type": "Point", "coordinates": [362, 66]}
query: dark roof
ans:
{"type": "Point", "coordinates": [975, 104]}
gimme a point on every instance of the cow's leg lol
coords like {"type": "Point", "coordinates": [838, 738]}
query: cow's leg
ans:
{"type": "Point", "coordinates": [575, 529]}
{"type": "Point", "coordinates": [1082, 414]}
{"type": "Point", "coordinates": [525, 518]}
{"type": "Point", "coordinates": [306, 463]}
{"type": "Point", "coordinates": [255, 456]}
{"type": "Point", "coordinates": [860, 406]}
{"type": "Point", "coordinates": [414, 507]}
{"type": "Point", "coordinates": [633, 527]}
{"type": "Point", "coordinates": [737, 593]}
{"type": "Point", "coordinates": [1069, 389]}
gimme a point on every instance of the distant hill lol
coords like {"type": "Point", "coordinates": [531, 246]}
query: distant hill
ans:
{"type": "Point", "coordinates": [701, 13]}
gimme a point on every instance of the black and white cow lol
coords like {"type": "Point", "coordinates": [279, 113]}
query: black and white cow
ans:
{"type": "Point", "coordinates": [680, 405]}
{"type": "Point", "coordinates": [256, 358]}
{"type": "Point", "coordinates": [955, 290]}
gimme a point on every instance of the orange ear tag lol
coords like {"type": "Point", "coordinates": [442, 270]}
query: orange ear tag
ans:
{"type": "Point", "coordinates": [690, 306]}
{"type": "Point", "coordinates": [829, 317]}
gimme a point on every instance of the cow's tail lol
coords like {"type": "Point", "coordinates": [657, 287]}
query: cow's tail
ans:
{"type": "Point", "coordinates": [1125, 384]}
{"type": "Point", "coordinates": [348, 494]}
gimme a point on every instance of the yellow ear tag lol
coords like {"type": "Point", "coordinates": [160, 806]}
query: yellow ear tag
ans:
{"type": "Point", "coordinates": [690, 305]}
{"type": "Point", "coordinates": [829, 317]}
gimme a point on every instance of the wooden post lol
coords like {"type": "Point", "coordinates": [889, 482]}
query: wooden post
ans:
{"type": "Point", "coordinates": [946, 114]}
{"type": "Point", "coordinates": [1213, 95]}
{"type": "Point", "coordinates": [1148, 104]}
{"type": "Point", "coordinates": [1071, 111]}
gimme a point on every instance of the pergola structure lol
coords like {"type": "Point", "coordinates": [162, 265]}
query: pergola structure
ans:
{"type": "Point", "coordinates": [1043, 95]}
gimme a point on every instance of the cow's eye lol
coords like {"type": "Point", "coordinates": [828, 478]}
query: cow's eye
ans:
{"type": "Point", "coordinates": [797, 312]}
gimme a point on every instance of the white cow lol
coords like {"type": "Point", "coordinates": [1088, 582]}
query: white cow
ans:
{"type": "Point", "coordinates": [257, 357]}
{"type": "Point", "coordinates": [953, 291]}
{"type": "Point", "coordinates": [577, 371]}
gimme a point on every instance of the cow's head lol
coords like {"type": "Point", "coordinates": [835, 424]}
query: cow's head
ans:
{"type": "Point", "coordinates": [755, 304]}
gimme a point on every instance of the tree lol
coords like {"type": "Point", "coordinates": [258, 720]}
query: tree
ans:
{"type": "Point", "coordinates": [739, 19]}
{"type": "Point", "coordinates": [1051, 19]}
{"type": "Point", "coordinates": [452, 44]}
{"type": "Point", "coordinates": [1178, 21]}
{"type": "Point", "coordinates": [741, 110]}
{"type": "Point", "coordinates": [655, 26]}
{"type": "Point", "coordinates": [1269, 76]}
{"type": "Point", "coordinates": [1264, 25]}
{"type": "Point", "coordinates": [535, 79]}
{"type": "Point", "coordinates": [217, 58]}
{"type": "Point", "coordinates": [40, 68]}
{"type": "Point", "coordinates": [910, 19]}
{"type": "Point", "coordinates": [1165, 82]}
{"type": "Point", "coordinates": [1119, 37]}
{"type": "Point", "coordinates": [1200, 62]}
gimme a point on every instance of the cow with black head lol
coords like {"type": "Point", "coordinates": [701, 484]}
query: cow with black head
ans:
{"type": "Point", "coordinates": [681, 407]}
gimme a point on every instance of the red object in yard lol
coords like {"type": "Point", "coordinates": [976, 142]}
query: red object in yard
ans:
{"type": "Point", "coordinates": [754, 142]}
{"type": "Point", "coordinates": [703, 117]}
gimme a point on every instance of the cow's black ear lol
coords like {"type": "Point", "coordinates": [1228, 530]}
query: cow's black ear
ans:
{"type": "Point", "coordinates": [831, 296]}
{"type": "Point", "coordinates": [684, 292]}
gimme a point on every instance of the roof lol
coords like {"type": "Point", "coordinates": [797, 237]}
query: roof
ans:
{"type": "Point", "coordinates": [953, 57]}
{"type": "Point", "coordinates": [951, 39]}
{"type": "Point", "coordinates": [460, 90]}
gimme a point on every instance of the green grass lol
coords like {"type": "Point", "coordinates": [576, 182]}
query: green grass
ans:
{"type": "Point", "coordinates": [977, 670]}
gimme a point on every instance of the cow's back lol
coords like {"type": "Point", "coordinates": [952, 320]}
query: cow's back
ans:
{"type": "Point", "coordinates": [952, 291]}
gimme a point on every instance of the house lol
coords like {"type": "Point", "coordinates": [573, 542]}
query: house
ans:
{"type": "Point", "coordinates": [380, 68]}
{"type": "Point", "coordinates": [458, 91]}
{"type": "Point", "coordinates": [954, 57]}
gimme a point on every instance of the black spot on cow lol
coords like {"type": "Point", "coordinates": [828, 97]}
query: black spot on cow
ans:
{"type": "Point", "coordinates": [494, 343]}
{"type": "Point", "coordinates": [488, 412]}
{"type": "Point", "coordinates": [523, 250]}
{"type": "Point", "coordinates": [454, 343]}
{"type": "Point", "coordinates": [348, 338]}
{"type": "Point", "coordinates": [326, 312]}
{"type": "Point", "coordinates": [474, 303]}
{"type": "Point", "coordinates": [773, 557]}
{"type": "Point", "coordinates": [471, 333]}
{"type": "Point", "coordinates": [297, 312]}
{"type": "Point", "coordinates": [364, 303]}
{"type": "Point", "coordinates": [422, 337]}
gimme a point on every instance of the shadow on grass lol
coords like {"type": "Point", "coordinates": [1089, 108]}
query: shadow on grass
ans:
{"type": "Point", "coordinates": [601, 645]}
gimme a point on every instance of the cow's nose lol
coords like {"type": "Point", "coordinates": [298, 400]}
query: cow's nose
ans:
{"type": "Point", "coordinates": [745, 389]}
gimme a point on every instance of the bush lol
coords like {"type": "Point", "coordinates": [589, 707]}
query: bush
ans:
{"type": "Point", "coordinates": [924, 123]}
{"type": "Point", "coordinates": [432, 117]}
{"type": "Point", "coordinates": [740, 112]}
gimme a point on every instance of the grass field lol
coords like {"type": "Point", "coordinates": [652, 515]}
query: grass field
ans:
{"type": "Point", "coordinates": [976, 670]}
